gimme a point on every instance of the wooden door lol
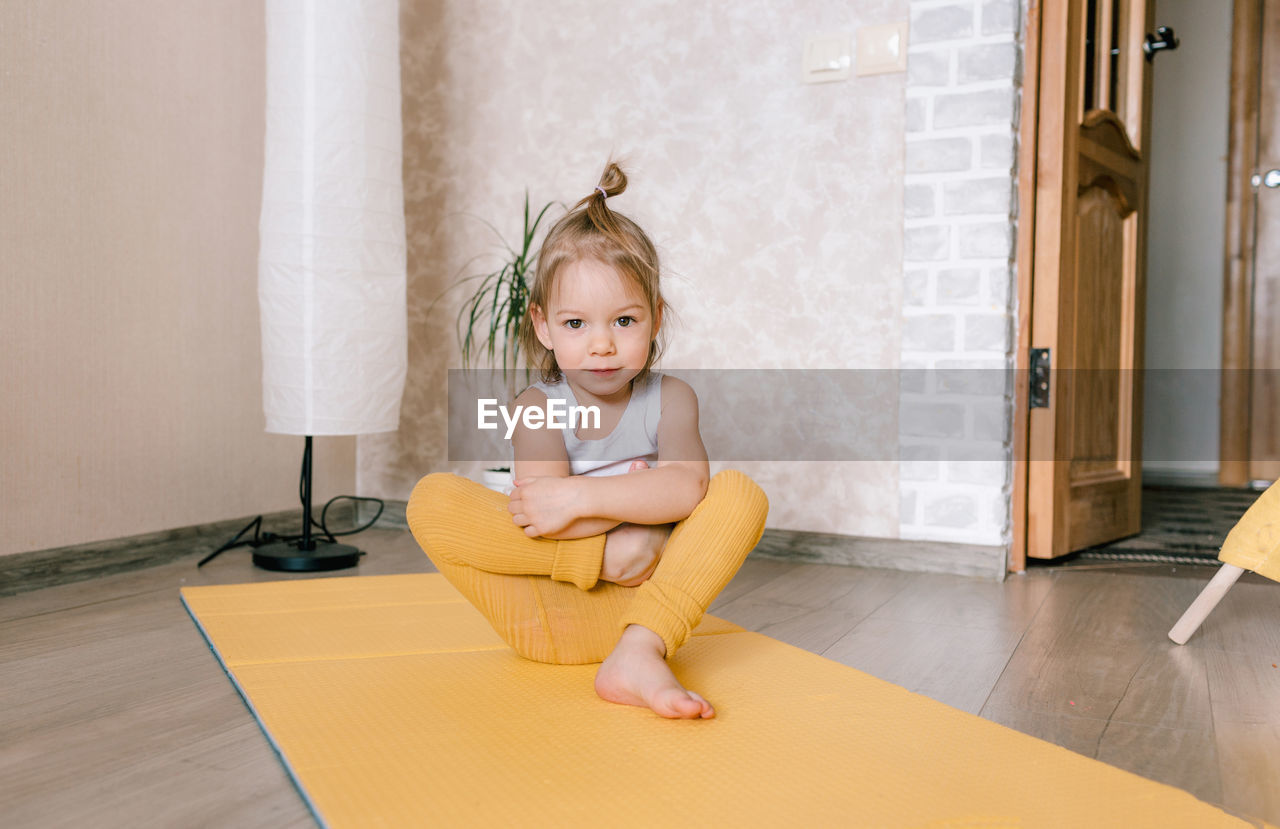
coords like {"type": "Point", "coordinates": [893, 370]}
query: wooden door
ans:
{"type": "Point", "coordinates": [1264, 425]}
{"type": "Point", "coordinates": [1250, 426]}
{"type": "Point", "coordinates": [1084, 479]}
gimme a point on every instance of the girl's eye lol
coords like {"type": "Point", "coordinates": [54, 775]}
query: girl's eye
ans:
{"type": "Point", "coordinates": [574, 324]}
{"type": "Point", "coordinates": [625, 321]}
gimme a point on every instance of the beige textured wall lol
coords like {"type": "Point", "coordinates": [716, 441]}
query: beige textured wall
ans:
{"type": "Point", "coordinates": [777, 205]}
{"type": "Point", "coordinates": [130, 182]}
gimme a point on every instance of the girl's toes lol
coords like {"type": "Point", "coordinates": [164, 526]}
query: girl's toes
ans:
{"type": "Point", "coordinates": [707, 710]}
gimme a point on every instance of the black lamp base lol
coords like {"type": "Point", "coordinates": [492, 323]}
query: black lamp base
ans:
{"type": "Point", "coordinates": [290, 556]}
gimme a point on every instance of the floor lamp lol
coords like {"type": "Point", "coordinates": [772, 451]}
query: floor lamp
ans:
{"type": "Point", "coordinates": [331, 265]}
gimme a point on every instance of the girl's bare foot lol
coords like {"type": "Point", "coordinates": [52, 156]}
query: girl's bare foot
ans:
{"type": "Point", "coordinates": [636, 673]}
{"type": "Point", "coordinates": [631, 551]}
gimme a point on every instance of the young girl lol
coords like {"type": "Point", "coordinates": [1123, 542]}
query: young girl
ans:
{"type": "Point", "coordinates": [613, 542]}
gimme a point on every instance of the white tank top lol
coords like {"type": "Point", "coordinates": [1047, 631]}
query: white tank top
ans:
{"type": "Point", "coordinates": [634, 438]}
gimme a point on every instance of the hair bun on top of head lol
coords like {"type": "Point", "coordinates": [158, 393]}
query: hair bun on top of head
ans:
{"type": "Point", "coordinates": [612, 183]}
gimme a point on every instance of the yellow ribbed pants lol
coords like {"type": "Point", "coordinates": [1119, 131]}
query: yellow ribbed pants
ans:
{"type": "Point", "coordinates": [544, 597]}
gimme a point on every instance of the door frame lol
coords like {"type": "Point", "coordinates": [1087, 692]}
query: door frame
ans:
{"type": "Point", "coordinates": [1237, 295]}
{"type": "Point", "coordinates": [1024, 259]}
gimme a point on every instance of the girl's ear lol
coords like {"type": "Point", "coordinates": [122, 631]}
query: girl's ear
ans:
{"type": "Point", "coordinates": [657, 318]}
{"type": "Point", "coordinates": [540, 326]}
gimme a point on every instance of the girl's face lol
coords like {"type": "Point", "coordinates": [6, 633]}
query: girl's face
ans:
{"type": "Point", "coordinates": [598, 325]}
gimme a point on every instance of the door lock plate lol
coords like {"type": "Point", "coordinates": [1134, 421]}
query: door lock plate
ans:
{"type": "Point", "coordinates": [1039, 397]}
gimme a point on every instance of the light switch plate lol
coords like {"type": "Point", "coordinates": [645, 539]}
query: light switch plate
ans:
{"type": "Point", "coordinates": [882, 49]}
{"type": "Point", "coordinates": [828, 58]}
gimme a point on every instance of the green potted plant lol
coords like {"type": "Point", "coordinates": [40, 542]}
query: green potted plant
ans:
{"type": "Point", "coordinates": [491, 315]}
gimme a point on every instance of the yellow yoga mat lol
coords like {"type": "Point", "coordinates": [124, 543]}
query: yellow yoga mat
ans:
{"type": "Point", "coordinates": [392, 703]}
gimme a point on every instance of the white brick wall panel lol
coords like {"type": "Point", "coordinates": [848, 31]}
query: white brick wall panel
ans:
{"type": "Point", "coordinates": [911, 377]}
{"type": "Point", "coordinates": [968, 109]}
{"type": "Point", "coordinates": [995, 152]}
{"type": "Point", "coordinates": [926, 244]}
{"type": "Point", "coordinates": [933, 23]}
{"type": "Point", "coordinates": [919, 453]}
{"type": "Point", "coordinates": [986, 332]}
{"type": "Point", "coordinates": [985, 378]}
{"type": "Point", "coordinates": [917, 471]}
{"type": "Point", "coordinates": [961, 100]}
{"type": "Point", "coordinates": [919, 201]}
{"type": "Point", "coordinates": [919, 418]}
{"type": "Point", "coordinates": [991, 473]}
{"type": "Point", "coordinates": [991, 421]}
{"type": "Point", "coordinates": [959, 286]}
{"type": "Point", "coordinates": [932, 68]}
{"type": "Point", "coordinates": [985, 62]}
{"type": "Point", "coordinates": [929, 332]}
{"type": "Point", "coordinates": [915, 288]}
{"type": "Point", "coordinates": [999, 17]}
{"type": "Point", "coordinates": [999, 282]}
{"type": "Point", "coordinates": [999, 512]}
{"type": "Point", "coordinates": [985, 240]}
{"type": "Point", "coordinates": [917, 114]}
{"type": "Point", "coordinates": [956, 510]}
{"type": "Point", "coordinates": [907, 506]}
{"type": "Point", "coordinates": [979, 195]}
{"type": "Point", "coordinates": [973, 450]}
{"type": "Point", "coordinates": [939, 155]}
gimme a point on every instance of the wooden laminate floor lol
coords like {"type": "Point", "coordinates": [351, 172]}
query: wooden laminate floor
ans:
{"type": "Point", "coordinates": [113, 712]}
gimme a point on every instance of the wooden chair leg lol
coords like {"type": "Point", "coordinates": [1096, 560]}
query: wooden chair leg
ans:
{"type": "Point", "coordinates": [1205, 603]}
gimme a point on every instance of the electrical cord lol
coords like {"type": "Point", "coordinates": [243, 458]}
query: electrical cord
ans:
{"type": "Point", "coordinates": [260, 538]}
{"type": "Point", "coordinates": [322, 524]}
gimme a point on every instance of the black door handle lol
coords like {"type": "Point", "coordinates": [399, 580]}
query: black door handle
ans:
{"type": "Point", "coordinates": [1164, 38]}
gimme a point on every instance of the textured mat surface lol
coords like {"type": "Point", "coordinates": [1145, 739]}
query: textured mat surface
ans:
{"type": "Point", "coordinates": [392, 703]}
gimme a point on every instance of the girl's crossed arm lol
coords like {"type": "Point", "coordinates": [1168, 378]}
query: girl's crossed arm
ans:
{"type": "Point", "coordinates": [548, 502]}
{"type": "Point", "coordinates": [540, 454]}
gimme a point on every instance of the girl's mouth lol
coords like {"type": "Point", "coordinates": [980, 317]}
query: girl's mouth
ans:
{"type": "Point", "coordinates": [603, 372]}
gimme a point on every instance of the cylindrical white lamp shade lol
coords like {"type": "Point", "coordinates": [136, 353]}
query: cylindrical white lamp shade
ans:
{"type": "Point", "coordinates": [331, 268]}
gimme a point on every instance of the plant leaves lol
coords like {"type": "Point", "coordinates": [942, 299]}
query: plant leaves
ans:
{"type": "Point", "coordinates": [490, 318]}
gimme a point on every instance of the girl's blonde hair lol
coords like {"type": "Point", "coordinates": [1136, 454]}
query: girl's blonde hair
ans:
{"type": "Point", "coordinates": [590, 230]}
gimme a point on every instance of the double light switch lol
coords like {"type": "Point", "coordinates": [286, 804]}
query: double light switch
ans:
{"type": "Point", "coordinates": [880, 49]}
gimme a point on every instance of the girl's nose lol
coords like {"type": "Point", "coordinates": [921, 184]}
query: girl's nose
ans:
{"type": "Point", "coordinates": [601, 342]}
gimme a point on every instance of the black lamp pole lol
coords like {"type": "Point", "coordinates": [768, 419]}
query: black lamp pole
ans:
{"type": "Point", "coordinates": [307, 554]}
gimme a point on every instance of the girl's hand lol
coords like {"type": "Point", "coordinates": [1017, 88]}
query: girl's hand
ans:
{"type": "Point", "coordinates": [544, 506]}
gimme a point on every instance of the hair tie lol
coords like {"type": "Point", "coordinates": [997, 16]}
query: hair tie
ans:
{"type": "Point", "coordinates": [602, 191]}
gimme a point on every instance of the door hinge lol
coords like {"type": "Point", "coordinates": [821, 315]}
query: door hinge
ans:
{"type": "Point", "coordinates": [1039, 396]}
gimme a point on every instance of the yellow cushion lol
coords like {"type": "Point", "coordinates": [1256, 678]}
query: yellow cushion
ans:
{"type": "Point", "coordinates": [1254, 542]}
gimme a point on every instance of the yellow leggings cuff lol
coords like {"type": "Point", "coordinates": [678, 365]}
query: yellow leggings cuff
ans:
{"type": "Point", "coordinates": [666, 610]}
{"type": "Point", "coordinates": [578, 561]}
